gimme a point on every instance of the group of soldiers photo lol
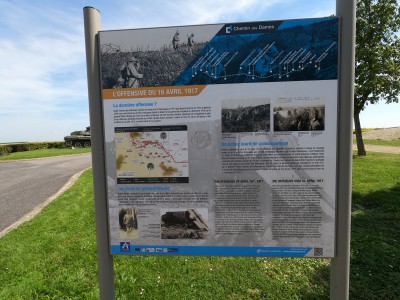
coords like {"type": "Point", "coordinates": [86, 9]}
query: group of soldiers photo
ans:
{"type": "Point", "coordinates": [143, 68]}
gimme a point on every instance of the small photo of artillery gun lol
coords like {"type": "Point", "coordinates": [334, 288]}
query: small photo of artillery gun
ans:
{"type": "Point", "coordinates": [188, 224]}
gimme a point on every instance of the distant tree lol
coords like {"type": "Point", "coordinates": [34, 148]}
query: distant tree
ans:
{"type": "Point", "coordinates": [377, 70]}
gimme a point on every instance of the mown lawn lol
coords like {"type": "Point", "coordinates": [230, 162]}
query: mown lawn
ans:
{"type": "Point", "coordinates": [375, 241]}
{"type": "Point", "coordinates": [395, 143]}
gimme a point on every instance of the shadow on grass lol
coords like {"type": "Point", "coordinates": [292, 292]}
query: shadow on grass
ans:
{"type": "Point", "coordinates": [320, 279]}
{"type": "Point", "coordinates": [221, 278]}
{"type": "Point", "coordinates": [375, 245]}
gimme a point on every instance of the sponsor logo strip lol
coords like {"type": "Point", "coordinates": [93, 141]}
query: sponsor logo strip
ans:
{"type": "Point", "coordinates": [213, 250]}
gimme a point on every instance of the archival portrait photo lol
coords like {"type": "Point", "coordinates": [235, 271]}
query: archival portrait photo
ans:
{"type": "Point", "coordinates": [128, 224]}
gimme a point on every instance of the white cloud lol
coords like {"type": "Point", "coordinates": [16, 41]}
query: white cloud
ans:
{"type": "Point", "coordinates": [186, 12]}
{"type": "Point", "coordinates": [31, 62]}
{"type": "Point", "coordinates": [211, 11]}
{"type": "Point", "coordinates": [43, 71]}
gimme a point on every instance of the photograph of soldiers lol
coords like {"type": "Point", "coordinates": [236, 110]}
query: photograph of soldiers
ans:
{"type": "Point", "coordinates": [130, 73]}
{"type": "Point", "coordinates": [299, 118]}
{"type": "Point", "coordinates": [190, 43]}
{"type": "Point", "coordinates": [148, 60]}
{"type": "Point", "coordinates": [175, 41]}
{"type": "Point", "coordinates": [249, 118]}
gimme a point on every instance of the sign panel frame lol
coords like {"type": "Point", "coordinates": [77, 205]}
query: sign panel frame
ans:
{"type": "Point", "coordinates": [226, 147]}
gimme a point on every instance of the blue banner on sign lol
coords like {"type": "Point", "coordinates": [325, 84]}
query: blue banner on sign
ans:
{"type": "Point", "coordinates": [212, 250]}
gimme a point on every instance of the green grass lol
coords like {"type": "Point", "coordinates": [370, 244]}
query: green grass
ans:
{"type": "Point", "coordinates": [395, 143]}
{"type": "Point", "coordinates": [44, 153]}
{"type": "Point", "coordinates": [54, 255]}
{"type": "Point", "coordinates": [375, 254]}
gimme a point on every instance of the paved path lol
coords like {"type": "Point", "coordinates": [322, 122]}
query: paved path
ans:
{"type": "Point", "coordinates": [28, 185]}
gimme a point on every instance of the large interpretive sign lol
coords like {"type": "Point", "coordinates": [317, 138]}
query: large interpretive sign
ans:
{"type": "Point", "coordinates": [221, 139]}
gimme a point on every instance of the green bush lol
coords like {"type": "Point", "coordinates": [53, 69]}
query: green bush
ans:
{"type": "Point", "coordinates": [20, 147]}
{"type": "Point", "coordinates": [5, 149]}
{"type": "Point", "coordinates": [57, 145]}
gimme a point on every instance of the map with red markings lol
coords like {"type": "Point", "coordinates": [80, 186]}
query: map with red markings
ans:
{"type": "Point", "coordinates": [152, 154]}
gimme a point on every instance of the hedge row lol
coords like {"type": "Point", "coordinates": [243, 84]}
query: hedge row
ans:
{"type": "Point", "coordinates": [19, 147]}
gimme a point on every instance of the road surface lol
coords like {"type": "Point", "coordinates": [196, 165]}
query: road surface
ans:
{"type": "Point", "coordinates": [26, 184]}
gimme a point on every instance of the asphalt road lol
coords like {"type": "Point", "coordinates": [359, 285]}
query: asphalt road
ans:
{"type": "Point", "coordinates": [25, 184]}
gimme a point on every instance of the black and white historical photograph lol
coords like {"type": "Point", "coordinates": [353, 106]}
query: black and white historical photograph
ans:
{"type": "Point", "coordinates": [184, 224]}
{"type": "Point", "coordinates": [245, 116]}
{"type": "Point", "coordinates": [147, 58]}
{"type": "Point", "coordinates": [299, 118]}
{"type": "Point", "coordinates": [128, 223]}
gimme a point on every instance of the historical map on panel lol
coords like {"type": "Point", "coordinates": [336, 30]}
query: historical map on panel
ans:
{"type": "Point", "coordinates": [154, 154]}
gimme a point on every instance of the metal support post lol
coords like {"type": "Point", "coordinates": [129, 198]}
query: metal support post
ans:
{"type": "Point", "coordinates": [92, 22]}
{"type": "Point", "coordinates": [340, 265]}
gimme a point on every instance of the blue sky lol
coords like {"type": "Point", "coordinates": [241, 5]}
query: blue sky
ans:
{"type": "Point", "coordinates": [43, 94]}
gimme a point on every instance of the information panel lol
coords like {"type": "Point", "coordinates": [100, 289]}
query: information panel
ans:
{"type": "Point", "coordinates": [221, 139]}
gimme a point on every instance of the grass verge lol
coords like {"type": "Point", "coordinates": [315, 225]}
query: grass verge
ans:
{"type": "Point", "coordinates": [54, 255]}
{"type": "Point", "coordinates": [395, 143]}
{"type": "Point", "coordinates": [44, 153]}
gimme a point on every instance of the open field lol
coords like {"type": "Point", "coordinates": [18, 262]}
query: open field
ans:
{"type": "Point", "coordinates": [54, 255]}
{"type": "Point", "coordinates": [384, 140]}
{"type": "Point", "coordinates": [391, 143]}
{"type": "Point", "coordinates": [386, 134]}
